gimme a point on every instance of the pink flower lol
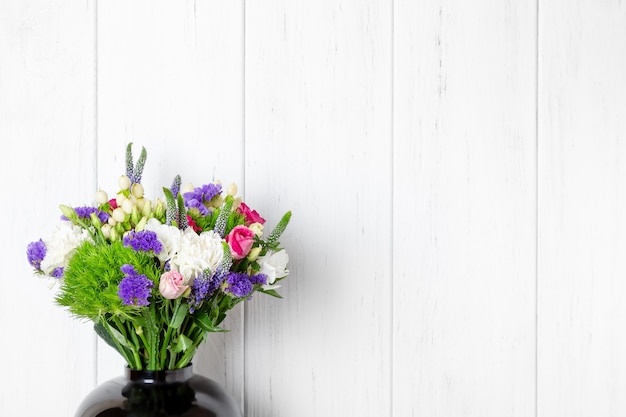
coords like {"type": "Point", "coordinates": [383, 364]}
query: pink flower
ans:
{"type": "Point", "coordinates": [251, 216]}
{"type": "Point", "coordinates": [171, 285]}
{"type": "Point", "coordinates": [240, 240]}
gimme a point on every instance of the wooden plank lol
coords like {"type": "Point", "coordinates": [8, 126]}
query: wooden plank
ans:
{"type": "Point", "coordinates": [582, 100]}
{"type": "Point", "coordinates": [318, 142]}
{"type": "Point", "coordinates": [47, 133]}
{"type": "Point", "coordinates": [464, 209]}
{"type": "Point", "coordinates": [170, 78]}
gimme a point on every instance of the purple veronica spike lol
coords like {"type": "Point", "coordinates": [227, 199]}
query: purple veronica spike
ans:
{"type": "Point", "coordinates": [35, 252]}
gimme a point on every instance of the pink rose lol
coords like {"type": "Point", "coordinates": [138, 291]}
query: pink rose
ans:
{"type": "Point", "coordinates": [251, 216]}
{"type": "Point", "coordinates": [240, 240]}
{"type": "Point", "coordinates": [171, 285]}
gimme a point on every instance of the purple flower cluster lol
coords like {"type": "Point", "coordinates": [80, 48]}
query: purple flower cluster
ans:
{"type": "Point", "coordinates": [85, 213]}
{"type": "Point", "coordinates": [203, 287]}
{"type": "Point", "coordinates": [241, 284]}
{"type": "Point", "coordinates": [200, 195]}
{"type": "Point", "coordinates": [145, 241]}
{"type": "Point", "coordinates": [134, 289]}
{"type": "Point", "coordinates": [35, 252]}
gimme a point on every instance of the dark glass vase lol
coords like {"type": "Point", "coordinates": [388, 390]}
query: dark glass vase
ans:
{"type": "Point", "coordinates": [174, 393]}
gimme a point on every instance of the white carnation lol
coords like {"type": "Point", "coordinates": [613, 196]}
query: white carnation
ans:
{"type": "Point", "coordinates": [273, 266]}
{"type": "Point", "coordinates": [61, 245]}
{"type": "Point", "coordinates": [169, 236]}
{"type": "Point", "coordinates": [197, 253]}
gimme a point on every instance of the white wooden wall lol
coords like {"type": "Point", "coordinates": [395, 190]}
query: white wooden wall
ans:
{"type": "Point", "coordinates": [456, 172]}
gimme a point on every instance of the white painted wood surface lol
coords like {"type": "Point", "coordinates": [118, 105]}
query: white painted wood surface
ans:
{"type": "Point", "coordinates": [454, 171]}
{"type": "Point", "coordinates": [582, 149]}
{"type": "Point", "coordinates": [464, 209]}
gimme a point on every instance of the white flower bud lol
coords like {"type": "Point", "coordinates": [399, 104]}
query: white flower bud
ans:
{"type": "Point", "coordinates": [102, 197]}
{"type": "Point", "coordinates": [232, 189]}
{"type": "Point", "coordinates": [123, 182]}
{"type": "Point", "coordinates": [106, 230]}
{"type": "Point", "coordinates": [127, 206]}
{"type": "Point", "coordinates": [137, 190]}
{"type": "Point", "coordinates": [254, 253]}
{"type": "Point", "coordinates": [119, 199]}
{"type": "Point", "coordinates": [257, 228]}
{"type": "Point", "coordinates": [118, 215]}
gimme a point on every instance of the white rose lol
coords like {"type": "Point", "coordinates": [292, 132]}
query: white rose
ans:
{"type": "Point", "coordinates": [197, 253]}
{"type": "Point", "coordinates": [169, 236]}
{"type": "Point", "coordinates": [273, 266]}
{"type": "Point", "coordinates": [61, 244]}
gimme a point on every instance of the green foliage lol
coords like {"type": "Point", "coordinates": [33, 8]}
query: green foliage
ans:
{"type": "Point", "coordinates": [90, 286]}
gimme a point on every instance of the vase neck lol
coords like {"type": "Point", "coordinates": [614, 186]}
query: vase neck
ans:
{"type": "Point", "coordinates": [160, 377]}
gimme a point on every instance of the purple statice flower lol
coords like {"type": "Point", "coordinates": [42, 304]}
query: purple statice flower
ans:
{"type": "Point", "coordinates": [238, 284]}
{"type": "Point", "coordinates": [145, 241]}
{"type": "Point", "coordinates": [134, 289]}
{"type": "Point", "coordinates": [258, 279]}
{"type": "Point", "coordinates": [85, 213]}
{"type": "Point", "coordinates": [35, 252]}
{"type": "Point", "coordinates": [200, 195]}
{"type": "Point", "coordinates": [58, 272]}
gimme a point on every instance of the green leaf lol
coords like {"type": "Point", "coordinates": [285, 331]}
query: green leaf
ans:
{"type": "Point", "coordinates": [273, 293]}
{"type": "Point", "coordinates": [119, 337]}
{"type": "Point", "coordinates": [204, 322]}
{"type": "Point", "coordinates": [181, 344]}
{"type": "Point", "coordinates": [106, 336]}
{"type": "Point", "coordinates": [179, 315]}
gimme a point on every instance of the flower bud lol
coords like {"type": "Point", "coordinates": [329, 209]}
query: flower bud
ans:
{"type": "Point", "coordinates": [118, 215]}
{"type": "Point", "coordinates": [232, 189]}
{"type": "Point", "coordinates": [101, 197]}
{"type": "Point", "coordinates": [134, 215]}
{"type": "Point", "coordinates": [123, 182]}
{"type": "Point", "coordinates": [146, 210]}
{"type": "Point", "coordinates": [119, 199]}
{"type": "Point", "coordinates": [111, 221]}
{"type": "Point", "coordinates": [68, 212]}
{"type": "Point", "coordinates": [139, 203]}
{"type": "Point", "coordinates": [128, 205]}
{"type": "Point", "coordinates": [159, 209]}
{"type": "Point", "coordinates": [257, 228]}
{"type": "Point", "coordinates": [254, 253]}
{"type": "Point", "coordinates": [141, 224]}
{"type": "Point", "coordinates": [95, 220]}
{"type": "Point", "coordinates": [106, 230]}
{"type": "Point", "coordinates": [137, 190]}
{"type": "Point", "coordinates": [113, 234]}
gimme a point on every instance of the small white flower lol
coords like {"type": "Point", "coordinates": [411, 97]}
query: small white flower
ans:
{"type": "Point", "coordinates": [61, 244]}
{"type": "Point", "coordinates": [274, 266]}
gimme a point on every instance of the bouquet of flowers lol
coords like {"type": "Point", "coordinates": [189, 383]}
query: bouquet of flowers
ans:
{"type": "Point", "coordinates": [156, 276]}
